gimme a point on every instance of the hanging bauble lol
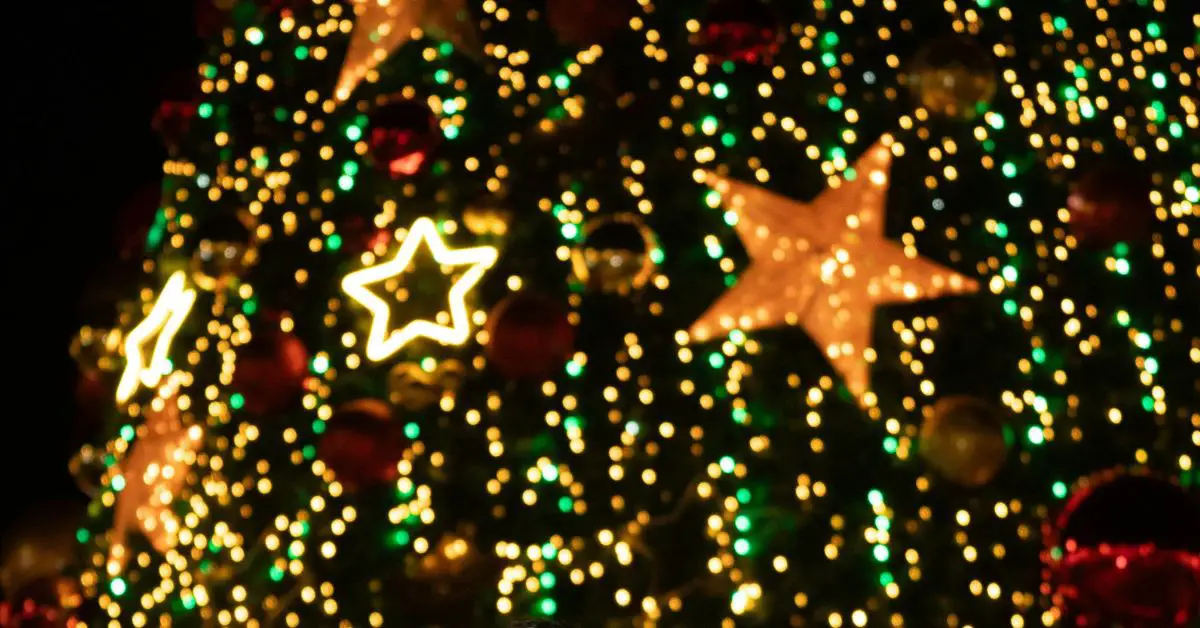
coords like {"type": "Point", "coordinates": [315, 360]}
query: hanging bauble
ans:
{"type": "Point", "coordinates": [746, 31]}
{"type": "Point", "coordinates": [529, 335]}
{"type": "Point", "coordinates": [362, 444]}
{"type": "Point", "coordinates": [965, 440]}
{"type": "Point", "coordinates": [1125, 552]}
{"type": "Point", "coordinates": [173, 120]}
{"type": "Point", "coordinates": [1110, 204]}
{"type": "Point", "coordinates": [359, 234]}
{"type": "Point", "coordinates": [441, 584]}
{"type": "Point", "coordinates": [92, 403]}
{"type": "Point", "coordinates": [29, 614]}
{"type": "Point", "coordinates": [88, 467]}
{"type": "Point", "coordinates": [97, 350]}
{"type": "Point", "coordinates": [224, 251]}
{"type": "Point", "coordinates": [210, 17]}
{"type": "Point", "coordinates": [38, 549]}
{"type": "Point", "coordinates": [616, 254]}
{"type": "Point", "coordinates": [487, 218]}
{"type": "Point", "coordinates": [953, 76]}
{"type": "Point", "coordinates": [401, 136]}
{"type": "Point", "coordinates": [414, 386]}
{"type": "Point", "coordinates": [136, 220]}
{"type": "Point", "coordinates": [582, 23]}
{"type": "Point", "coordinates": [270, 370]}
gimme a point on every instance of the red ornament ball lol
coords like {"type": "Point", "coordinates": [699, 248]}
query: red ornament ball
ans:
{"type": "Point", "coordinates": [1125, 551]}
{"type": "Point", "coordinates": [270, 371]}
{"type": "Point", "coordinates": [362, 444]}
{"type": "Point", "coordinates": [1110, 204]}
{"type": "Point", "coordinates": [747, 31]}
{"type": "Point", "coordinates": [135, 221]}
{"type": "Point", "coordinates": [587, 22]}
{"type": "Point", "coordinates": [360, 234]}
{"type": "Point", "coordinates": [530, 335]}
{"type": "Point", "coordinates": [173, 119]}
{"type": "Point", "coordinates": [401, 136]}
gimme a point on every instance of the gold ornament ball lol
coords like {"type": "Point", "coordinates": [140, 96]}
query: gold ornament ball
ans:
{"type": "Point", "coordinates": [486, 219]}
{"type": "Point", "coordinates": [217, 264]}
{"type": "Point", "coordinates": [97, 349]}
{"type": "Point", "coordinates": [412, 386]}
{"type": "Point", "coordinates": [965, 440]}
{"type": "Point", "coordinates": [616, 254]}
{"type": "Point", "coordinates": [953, 76]}
{"type": "Point", "coordinates": [227, 248]}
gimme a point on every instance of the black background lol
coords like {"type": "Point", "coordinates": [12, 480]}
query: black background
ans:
{"type": "Point", "coordinates": [83, 82]}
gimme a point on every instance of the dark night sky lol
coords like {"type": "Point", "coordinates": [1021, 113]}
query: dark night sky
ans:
{"type": "Point", "coordinates": [90, 76]}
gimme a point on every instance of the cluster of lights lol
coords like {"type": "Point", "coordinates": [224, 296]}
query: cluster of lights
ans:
{"type": "Point", "coordinates": [640, 427]}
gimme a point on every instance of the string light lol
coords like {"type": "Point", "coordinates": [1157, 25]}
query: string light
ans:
{"type": "Point", "coordinates": [656, 433]}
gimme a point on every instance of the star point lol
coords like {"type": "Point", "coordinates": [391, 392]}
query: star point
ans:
{"type": "Point", "coordinates": [382, 26]}
{"type": "Point", "coordinates": [162, 323]}
{"type": "Point", "coordinates": [824, 265]}
{"type": "Point", "coordinates": [382, 342]}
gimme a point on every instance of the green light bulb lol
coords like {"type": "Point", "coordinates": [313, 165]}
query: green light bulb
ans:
{"type": "Point", "coordinates": [727, 463]}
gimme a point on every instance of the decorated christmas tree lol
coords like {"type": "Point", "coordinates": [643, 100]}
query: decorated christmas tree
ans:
{"type": "Point", "coordinates": [688, 313]}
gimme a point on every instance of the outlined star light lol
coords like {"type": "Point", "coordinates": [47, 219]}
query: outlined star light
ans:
{"type": "Point", "coordinates": [825, 266]}
{"type": "Point", "coordinates": [169, 311]}
{"type": "Point", "coordinates": [381, 342]}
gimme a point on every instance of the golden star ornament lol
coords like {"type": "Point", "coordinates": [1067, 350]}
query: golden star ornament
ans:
{"type": "Point", "coordinates": [382, 26]}
{"type": "Point", "coordinates": [153, 472]}
{"type": "Point", "coordinates": [825, 266]}
{"type": "Point", "coordinates": [382, 340]}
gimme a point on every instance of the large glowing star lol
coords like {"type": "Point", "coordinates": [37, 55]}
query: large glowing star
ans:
{"type": "Point", "coordinates": [825, 266]}
{"type": "Point", "coordinates": [383, 341]}
{"type": "Point", "coordinates": [160, 326]}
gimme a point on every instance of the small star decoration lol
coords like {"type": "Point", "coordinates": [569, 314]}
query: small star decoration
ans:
{"type": "Point", "coordinates": [160, 326]}
{"type": "Point", "coordinates": [825, 266]}
{"type": "Point", "coordinates": [383, 341]}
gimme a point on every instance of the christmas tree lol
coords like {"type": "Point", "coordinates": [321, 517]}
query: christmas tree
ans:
{"type": "Point", "coordinates": [691, 313]}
